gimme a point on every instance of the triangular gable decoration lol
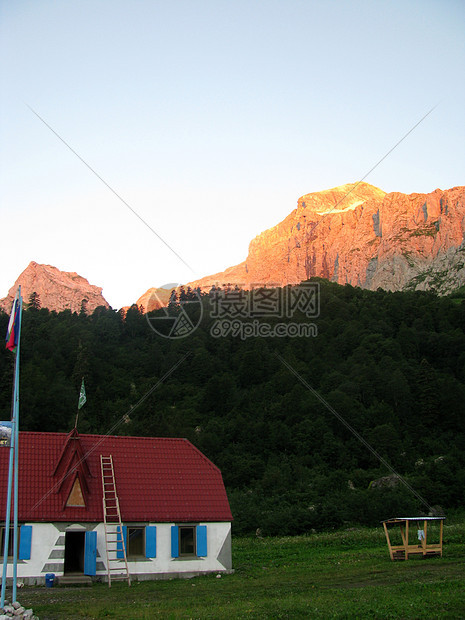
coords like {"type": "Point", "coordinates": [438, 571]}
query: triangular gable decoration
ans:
{"type": "Point", "coordinates": [72, 473]}
{"type": "Point", "coordinates": [76, 497]}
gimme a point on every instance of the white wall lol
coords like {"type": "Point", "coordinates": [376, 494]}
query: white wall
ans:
{"type": "Point", "coordinates": [44, 539]}
{"type": "Point", "coordinates": [164, 566]}
{"type": "Point", "coordinates": [48, 552]}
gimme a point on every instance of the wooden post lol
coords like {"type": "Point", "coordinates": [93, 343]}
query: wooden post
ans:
{"type": "Point", "coordinates": [406, 537]}
{"type": "Point", "coordinates": [402, 533]}
{"type": "Point", "coordinates": [388, 541]}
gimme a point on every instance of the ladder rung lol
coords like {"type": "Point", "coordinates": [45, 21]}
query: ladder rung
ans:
{"type": "Point", "coordinates": [119, 578]}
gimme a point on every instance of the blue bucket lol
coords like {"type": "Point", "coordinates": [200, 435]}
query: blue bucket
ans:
{"type": "Point", "coordinates": [49, 579]}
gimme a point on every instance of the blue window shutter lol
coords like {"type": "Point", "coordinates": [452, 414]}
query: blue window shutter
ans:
{"type": "Point", "coordinates": [174, 541]}
{"type": "Point", "coordinates": [201, 531]}
{"type": "Point", "coordinates": [90, 553]}
{"type": "Point", "coordinates": [151, 541]}
{"type": "Point", "coordinates": [25, 539]}
{"type": "Point", "coordinates": [119, 544]}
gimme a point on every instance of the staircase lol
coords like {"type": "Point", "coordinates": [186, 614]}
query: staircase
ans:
{"type": "Point", "coordinates": [117, 567]}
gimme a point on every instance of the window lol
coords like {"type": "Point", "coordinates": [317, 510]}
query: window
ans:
{"type": "Point", "coordinates": [24, 541]}
{"type": "Point", "coordinates": [187, 540]}
{"type": "Point", "coordinates": [136, 542]}
{"type": "Point", "coordinates": [10, 541]}
{"type": "Point", "coordinates": [139, 541]}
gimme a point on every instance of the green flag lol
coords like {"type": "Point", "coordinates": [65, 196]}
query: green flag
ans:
{"type": "Point", "coordinates": [82, 395]}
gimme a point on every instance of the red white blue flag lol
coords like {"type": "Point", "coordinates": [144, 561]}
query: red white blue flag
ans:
{"type": "Point", "coordinates": [13, 326]}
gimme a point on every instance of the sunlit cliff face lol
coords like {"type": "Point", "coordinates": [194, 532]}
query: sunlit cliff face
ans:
{"type": "Point", "coordinates": [360, 235]}
{"type": "Point", "coordinates": [57, 290]}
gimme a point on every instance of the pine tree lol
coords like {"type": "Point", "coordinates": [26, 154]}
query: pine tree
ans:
{"type": "Point", "coordinates": [34, 301]}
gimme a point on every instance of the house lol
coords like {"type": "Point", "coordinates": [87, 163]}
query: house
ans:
{"type": "Point", "coordinates": [175, 515]}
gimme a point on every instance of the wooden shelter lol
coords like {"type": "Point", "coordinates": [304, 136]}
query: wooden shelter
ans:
{"type": "Point", "coordinates": [420, 546]}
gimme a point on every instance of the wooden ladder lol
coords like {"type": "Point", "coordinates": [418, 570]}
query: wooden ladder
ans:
{"type": "Point", "coordinates": [114, 539]}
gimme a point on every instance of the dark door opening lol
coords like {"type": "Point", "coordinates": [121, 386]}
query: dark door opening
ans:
{"type": "Point", "coordinates": [74, 552]}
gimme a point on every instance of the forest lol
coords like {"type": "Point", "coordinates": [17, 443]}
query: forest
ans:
{"type": "Point", "coordinates": [295, 423]}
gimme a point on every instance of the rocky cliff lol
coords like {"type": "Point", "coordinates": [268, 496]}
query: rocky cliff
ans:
{"type": "Point", "coordinates": [360, 235]}
{"type": "Point", "coordinates": [57, 290]}
{"type": "Point", "coordinates": [154, 298]}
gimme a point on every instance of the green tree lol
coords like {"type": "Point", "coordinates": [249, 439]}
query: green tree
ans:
{"type": "Point", "coordinates": [34, 301]}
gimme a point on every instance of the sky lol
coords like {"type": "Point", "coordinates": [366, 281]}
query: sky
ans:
{"type": "Point", "coordinates": [197, 124]}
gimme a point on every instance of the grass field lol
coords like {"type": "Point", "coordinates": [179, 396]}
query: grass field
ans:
{"type": "Point", "coordinates": [345, 574]}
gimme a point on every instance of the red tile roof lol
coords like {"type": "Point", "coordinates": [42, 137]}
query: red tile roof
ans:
{"type": "Point", "coordinates": [157, 479]}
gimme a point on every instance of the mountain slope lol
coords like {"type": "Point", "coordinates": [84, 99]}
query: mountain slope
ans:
{"type": "Point", "coordinates": [360, 235]}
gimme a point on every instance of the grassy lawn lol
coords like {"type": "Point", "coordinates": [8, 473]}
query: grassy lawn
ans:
{"type": "Point", "coordinates": [335, 575]}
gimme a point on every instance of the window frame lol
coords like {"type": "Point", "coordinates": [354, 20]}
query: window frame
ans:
{"type": "Point", "coordinates": [10, 540]}
{"type": "Point", "coordinates": [189, 554]}
{"type": "Point", "coordinates": [129, 554]}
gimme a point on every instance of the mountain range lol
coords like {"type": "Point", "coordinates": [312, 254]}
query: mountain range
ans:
{"type": "Point", "coordinates": [352, 234]}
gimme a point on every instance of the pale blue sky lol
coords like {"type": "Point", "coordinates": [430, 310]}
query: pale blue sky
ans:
{"type": "Point", "coordinates": [211, 118]}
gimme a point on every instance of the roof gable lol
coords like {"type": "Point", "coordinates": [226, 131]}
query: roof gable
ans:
{"type": "Point", "coordinates": [72, 470]}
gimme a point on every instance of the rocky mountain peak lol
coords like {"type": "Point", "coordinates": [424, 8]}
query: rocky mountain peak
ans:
{"type": "Point", "coordinates": [339, 199]}
{"type": "Point", "coordinates": [58, 290]}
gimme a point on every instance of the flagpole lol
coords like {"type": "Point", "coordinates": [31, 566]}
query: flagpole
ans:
{"type": "Point", "coordinates": [16, 451]}
{"type": "Point", "coordinates": [7, 516]}
{"type": "Point", "coordinates": [14, 436]}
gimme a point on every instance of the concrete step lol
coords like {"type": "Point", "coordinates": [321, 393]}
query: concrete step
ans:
{"type": "Point", "coordinates": [74, 579]}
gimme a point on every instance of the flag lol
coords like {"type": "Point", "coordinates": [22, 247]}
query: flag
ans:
{"type": "Point", "coordinates": [82, 396]}
{"type": "Point", "coordinates": [13, 326]}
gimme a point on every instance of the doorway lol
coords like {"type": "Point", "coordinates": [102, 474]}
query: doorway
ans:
{"type": "Point", "coordinates": [74, 552]}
